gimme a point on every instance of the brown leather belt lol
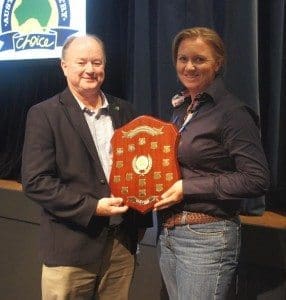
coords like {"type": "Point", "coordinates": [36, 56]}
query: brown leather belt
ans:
{"type": "Point", "coordinates": [185, 218]}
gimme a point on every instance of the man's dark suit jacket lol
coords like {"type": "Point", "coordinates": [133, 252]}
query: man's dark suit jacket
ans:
{"type": "Point", "coordinates": [61, 171]}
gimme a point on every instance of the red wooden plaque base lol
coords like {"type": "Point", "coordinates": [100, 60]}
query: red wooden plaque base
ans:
{"type": "Point", "coordinates": [144, 161]}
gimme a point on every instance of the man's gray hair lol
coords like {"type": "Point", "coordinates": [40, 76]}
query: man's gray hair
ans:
{"type": "Point", "coordinates": [70, 39]}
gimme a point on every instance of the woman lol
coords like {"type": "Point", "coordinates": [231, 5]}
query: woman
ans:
{"type": "Point", "coordinates": [221, 161]}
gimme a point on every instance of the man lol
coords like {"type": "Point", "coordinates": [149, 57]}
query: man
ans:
{"type": "Point", "coordinates": [88, 237]}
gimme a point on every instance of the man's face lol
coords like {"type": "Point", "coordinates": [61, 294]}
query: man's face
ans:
{"type": "Point", "coordinates": [84, 66]}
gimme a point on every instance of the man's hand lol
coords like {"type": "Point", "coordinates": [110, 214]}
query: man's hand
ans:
{"type": "Point", "coordinates": [110, 206]}
{"type": "Point", "coordinates": [172, 196]}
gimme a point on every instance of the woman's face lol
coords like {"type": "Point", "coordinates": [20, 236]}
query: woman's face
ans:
{"type": "Point", "coordinates": [196, 65]}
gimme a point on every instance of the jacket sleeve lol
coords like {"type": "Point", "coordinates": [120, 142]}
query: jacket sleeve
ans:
{"type": "Point", "coordinates": [40, 178]}
{"type": "Point", "coordinates": [250, 177]}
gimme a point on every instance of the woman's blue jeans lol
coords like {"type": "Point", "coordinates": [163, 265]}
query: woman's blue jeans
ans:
{"type": "Point", "coordinates": [199, 262]}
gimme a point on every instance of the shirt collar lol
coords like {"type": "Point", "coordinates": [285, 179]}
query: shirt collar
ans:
{"type": "Point", "coordinates": [215, 89]}
{"type": "Point", "coordinates": [104, 107]}
{"type": "Point", "coordinates": [211, 92]}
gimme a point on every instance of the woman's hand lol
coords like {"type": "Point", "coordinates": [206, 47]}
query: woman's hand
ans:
{"type": "Point", "coordinates": [172, 196]}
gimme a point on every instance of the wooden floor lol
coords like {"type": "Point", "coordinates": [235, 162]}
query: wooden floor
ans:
{"type": "Point", "coordinates": [271, 219]}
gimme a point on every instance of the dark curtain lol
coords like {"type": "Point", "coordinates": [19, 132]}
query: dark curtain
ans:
{"type": "Point", "coordinates": [138, 36]}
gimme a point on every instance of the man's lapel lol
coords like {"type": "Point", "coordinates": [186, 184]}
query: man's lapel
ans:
{"type": "Point", "coordinates": [114, 112]}
{"type": "Point", "coordinates": [76, 118]}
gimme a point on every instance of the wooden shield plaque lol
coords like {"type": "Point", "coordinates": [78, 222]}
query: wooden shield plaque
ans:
{"type": "Point", "coordinates": [144, 161]}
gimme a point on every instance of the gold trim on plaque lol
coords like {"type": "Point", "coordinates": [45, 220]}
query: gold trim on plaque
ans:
{"type": "Point", "coordinates": [169, 176]}
{"type": "Point", "coordinates": [159, 187]}
{"type": "Point", "coordinates": [166, 148]}
{"type": "Point", "coordinates": [117, 178]}
{"type": "Point", "coordinates": [142, 201]}
{"type": "Point", "coordinates": [131, 147]}
{"type": "Point", "coordinates": [124, 190]}
{"type": "Point", "coordinates": [165, 162]}
{"type": "Point", "coordinates": [154, 145]}
{"type": "Point", "coordinates": [129, 176]}
{"type": "Point", "coordinates": [142, 182]}
{"type": "Point", "coordinates": [142, 141]}
{"type": "Point", "coordinates": [119, 151]}
{"type": "Point", "coordinates": [150, 130]}
{"type": "Point", "coordinates": [157, 175]}
{"type": "Point", "coordinates": [142, 193]}
{"type": "Point", "coordinates": [119, 164]}
{"type": "Point", "coordinates": [142, 164]}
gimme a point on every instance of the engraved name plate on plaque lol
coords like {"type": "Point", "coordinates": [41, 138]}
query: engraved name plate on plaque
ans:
{"type": "Point", "coordinates": [144, 161]}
